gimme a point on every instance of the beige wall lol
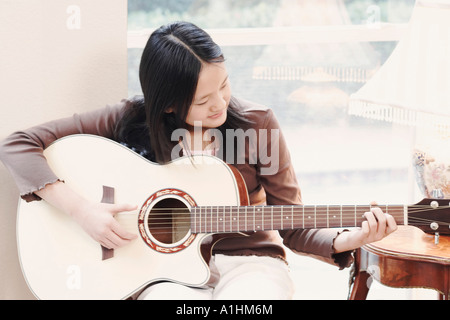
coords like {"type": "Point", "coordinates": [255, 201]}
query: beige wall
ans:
{"type": "Point", "coordinates": [57, 57]}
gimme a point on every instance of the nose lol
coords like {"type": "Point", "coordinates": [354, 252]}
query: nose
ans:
{"type": "Point", "coordinates": [219, 102]}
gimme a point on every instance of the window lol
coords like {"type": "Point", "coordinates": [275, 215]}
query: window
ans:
{"type": "Point", "coordinates": [304, 59]}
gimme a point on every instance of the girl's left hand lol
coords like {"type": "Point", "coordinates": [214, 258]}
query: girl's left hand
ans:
{"type": "Point", "coordinates": [377, 226]}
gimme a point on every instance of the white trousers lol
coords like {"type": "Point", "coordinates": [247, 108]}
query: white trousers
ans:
{"type": "Point", "coordinates": [241, 278]}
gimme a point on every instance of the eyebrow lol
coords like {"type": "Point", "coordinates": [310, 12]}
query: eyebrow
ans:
{"type": "Point", "coordinates": [226, 78]}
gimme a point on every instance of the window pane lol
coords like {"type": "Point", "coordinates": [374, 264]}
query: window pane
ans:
{"type": "Point", "coordinates": [338, 158]}
{"type": "Point", "coordinates": [265, 13]}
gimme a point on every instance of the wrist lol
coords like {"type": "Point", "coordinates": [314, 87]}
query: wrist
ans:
{"type": "Point", "coordinates": [346, 241]}
{"type": "Point", "coordinates": [61, 196]}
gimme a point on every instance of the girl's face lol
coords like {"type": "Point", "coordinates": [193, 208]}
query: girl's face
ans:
{"type": "Point", "coordinates": [212, 97]}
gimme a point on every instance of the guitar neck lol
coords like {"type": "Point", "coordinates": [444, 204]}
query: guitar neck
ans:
{"type": "Point", "coordinates": [223, 219]}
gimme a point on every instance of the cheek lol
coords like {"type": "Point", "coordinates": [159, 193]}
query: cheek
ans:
{"type": "Point", "coordinates": [194, 115]}
{"type": "Point", "coordinates": [227, 95]}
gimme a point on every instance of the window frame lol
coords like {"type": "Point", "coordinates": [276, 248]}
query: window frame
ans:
{"type": "Point", "coordinates": [378, 32]}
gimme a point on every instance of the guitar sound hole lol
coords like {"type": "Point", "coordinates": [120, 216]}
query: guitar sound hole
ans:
{"type": "Point", "coordinates": [169, 221]}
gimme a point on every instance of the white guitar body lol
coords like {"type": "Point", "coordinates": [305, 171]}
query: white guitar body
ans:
{"type": "Point", "coordinates": [60, 261]}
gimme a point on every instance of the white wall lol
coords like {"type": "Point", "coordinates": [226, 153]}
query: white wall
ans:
{"type": "Point", "coordinates": [57, 57]}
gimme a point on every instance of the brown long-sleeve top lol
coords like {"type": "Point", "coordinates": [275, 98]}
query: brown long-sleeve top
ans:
{"type": "Point", "coordinates": [22, 154]}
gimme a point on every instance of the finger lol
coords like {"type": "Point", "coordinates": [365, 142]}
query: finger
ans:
{"type": "Point", "coordinates": [123, 207]}
{"type": "Point", "coordinates": [381, 218]}
{"type": "Point", "coordinates": [372, 222]}
{"type": "Point", "coordinates": [120, 231]}
{"type": "Point", "coordinates": [365, 228]}
{"type": "Point", "coordinates": [114, 241]}
{"type": "Point", "coordinates": [107, 243]}
{"type": "Point", "coordinates": [391, 224]}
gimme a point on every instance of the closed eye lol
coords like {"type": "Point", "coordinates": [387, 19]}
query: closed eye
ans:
{"type": "Point", "coordinates": [201, 103]}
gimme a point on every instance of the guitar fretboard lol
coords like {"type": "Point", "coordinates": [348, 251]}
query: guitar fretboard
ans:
{"type": "Point", "coordinates": [224, 219]}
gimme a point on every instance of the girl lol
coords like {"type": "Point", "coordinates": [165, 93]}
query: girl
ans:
{"type": "Point", "coordinates": [186, 86]}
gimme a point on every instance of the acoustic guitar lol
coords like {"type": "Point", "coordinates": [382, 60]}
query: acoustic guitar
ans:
{"type": "Point", "coordinates": [184, 208]}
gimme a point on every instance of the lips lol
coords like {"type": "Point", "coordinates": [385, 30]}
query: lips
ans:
{"type": "Point", "coordinates": [216, 115]}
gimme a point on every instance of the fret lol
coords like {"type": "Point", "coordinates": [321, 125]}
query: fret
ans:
{"type": "Point", "coordinates": [224, 219]}
{"type": "Point", "coordinates": [262, 227]}
{"type": "Point", "coordinates": [256, 226]}
{"type": "Point", "coordinates": [328, 216]}
{"type": "Point", "coordinates": [319, 220]}
{"type": "Point", "coordinates": [303, 217]}
{"type": "Point", "coordinates": [254, 213]}
{"type": "Point", "coordinates": [280, 217]}
{"type": "Point", "coordinates": [296, 214]}
{"type": "Point", "coordinates": [230, 212]}
{"type": "Point", "coordinates": [315, 216]}
{"type": "Point", "coordinates": [249, 218]}
{"type": "Point", "coordinates": [200, 215]}
{"type": "Point", "coordinates": [196, 220]}
{"type": "Point", "coordinates": [308, 218]}
{"type": "Point", "coordinates": [203, 217]}
{"type": "Point", "coordinates": [246, 229]}
{"type": "Point", "coordinates": [217, 219]}
{"type": "Point", "coordinates": [238, 227]}
{"type": "Point", "coordinates": [200, 220]}
{"type": "Point", "coordinates": [292, 217]}
{"type": "Point", "coordinates": [266, 218]}
{"type": "Point", "coordinates": [211, 218]}
{"type": "Point", "coordinates": [260, 219]}
{"type": "Point", "coordinates": [232, 218]}
{"type": "Point", "coordinates": [194, 224]}
{"type": "Point", "coordinates": [334, 214]}
{"type": "Point", "coordinates": [206, 221]}
{"type": "Point", "coordinates": [271, 217]}
{"type": "Point", "coordinates": [355, 216]}
{"type": "Point", "coordinates": [299, 223]}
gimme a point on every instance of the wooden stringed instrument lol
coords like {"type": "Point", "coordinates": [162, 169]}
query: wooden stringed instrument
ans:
{"type": "Point", "coordinates": [185, 207]}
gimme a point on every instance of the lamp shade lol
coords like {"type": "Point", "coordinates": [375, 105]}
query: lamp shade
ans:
{"type": "Point", "coordinates": [413, 86]}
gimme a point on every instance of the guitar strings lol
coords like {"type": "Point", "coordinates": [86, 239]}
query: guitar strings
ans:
{"type": "Point", "coordinates": [260, 221]}
{"type": "Point", "coordinates": [182, 219]}
{"type": "Point", "coordinates": [345, 214]}
{"type": "Point", "coordinates": [277, 210]}
{"type": "Point", "coordinates": [228, 226]}
{"type": "Point", "coordinates": [348, 208]}
{"type": "Point", "coordinates": [164, 231]}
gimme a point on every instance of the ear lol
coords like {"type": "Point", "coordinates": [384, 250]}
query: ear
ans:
{"type": "Point", "coordinates": [169, 110]}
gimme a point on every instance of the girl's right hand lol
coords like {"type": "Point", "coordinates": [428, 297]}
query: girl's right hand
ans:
{"type": "Point", "coordinates": [97, 219]}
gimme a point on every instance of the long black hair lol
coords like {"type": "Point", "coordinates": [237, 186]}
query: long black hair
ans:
{"type": "Point", "coordinates": [169, 71]}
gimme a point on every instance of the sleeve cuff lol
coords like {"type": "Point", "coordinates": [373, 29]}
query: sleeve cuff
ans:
{"type": "Point", "coordinates": [342, 259]}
